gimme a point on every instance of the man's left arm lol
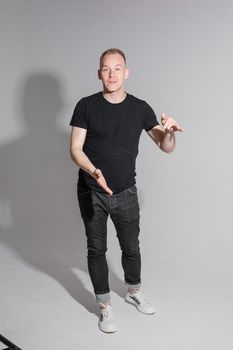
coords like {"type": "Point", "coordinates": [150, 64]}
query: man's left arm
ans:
{"type": "Point", "coordinates": [164, 136]}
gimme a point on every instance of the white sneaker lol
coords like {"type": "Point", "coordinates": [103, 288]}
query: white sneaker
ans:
{"type": "Point", "coordinates": [106, 320]}
{"type": "Point", "coordinates": [137, 298]}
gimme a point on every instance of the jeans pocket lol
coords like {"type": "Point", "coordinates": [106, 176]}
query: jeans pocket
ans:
{"type": "Point", "coordinates": [85, 202]}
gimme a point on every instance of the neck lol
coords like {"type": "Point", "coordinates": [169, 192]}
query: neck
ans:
{"type": "Point", "coordinates": [114, 97]}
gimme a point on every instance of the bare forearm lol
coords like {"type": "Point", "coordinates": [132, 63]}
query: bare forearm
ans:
{"type": "Point", "coordinates": [168, 142]}
{"type": "Point", "coordinates": [81, 159]}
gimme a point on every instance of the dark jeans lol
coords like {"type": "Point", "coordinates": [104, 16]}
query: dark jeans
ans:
{"type": "Point", "coordinates": [123, 208]}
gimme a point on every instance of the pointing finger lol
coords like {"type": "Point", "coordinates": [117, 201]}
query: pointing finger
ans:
{"type": "Point", "coordinates": [163, 118]}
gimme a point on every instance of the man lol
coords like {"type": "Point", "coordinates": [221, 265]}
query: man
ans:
{"type": "Point", "coordinates": [106, 128]}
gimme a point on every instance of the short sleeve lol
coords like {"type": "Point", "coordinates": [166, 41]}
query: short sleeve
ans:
{"type": "Point", "coordinates": [150, 118]}
{"type": "Point", "coordinates": [79, 117]}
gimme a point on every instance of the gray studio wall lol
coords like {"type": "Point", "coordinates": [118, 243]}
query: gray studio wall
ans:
{"type": "Point", "coordinates": [180, 56]}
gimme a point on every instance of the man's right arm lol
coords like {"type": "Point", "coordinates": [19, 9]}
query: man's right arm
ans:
{"type": "Point", "coordinates": [78, 136]}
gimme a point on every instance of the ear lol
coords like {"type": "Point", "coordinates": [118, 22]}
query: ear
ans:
{"type": "Point", "coordinates": [99, 74]}
{"type": "Point", "coordinates": [126, 73]}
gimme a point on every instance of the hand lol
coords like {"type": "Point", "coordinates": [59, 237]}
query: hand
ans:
{"type": "Point", "coordinates": [101, 181]}
{"type": "Point", "coordinates": [169, 124]}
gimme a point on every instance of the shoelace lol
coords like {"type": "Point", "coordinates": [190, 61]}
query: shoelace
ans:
{"type": "Point", "coordinates": [105, 312]}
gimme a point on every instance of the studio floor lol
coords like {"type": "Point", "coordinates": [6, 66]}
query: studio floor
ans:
{"type": "Point", "coordinates": [57, 310]}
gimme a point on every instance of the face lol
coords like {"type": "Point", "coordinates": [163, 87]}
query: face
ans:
{"type": "Point", "coordinates": [113, 73]}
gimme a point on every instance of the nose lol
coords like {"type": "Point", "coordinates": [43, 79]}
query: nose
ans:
{"type": "Point", "coordinates": [111, 73]}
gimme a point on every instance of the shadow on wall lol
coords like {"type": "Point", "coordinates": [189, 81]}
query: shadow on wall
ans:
{"type": "Point", "coordinates": [39, 213]}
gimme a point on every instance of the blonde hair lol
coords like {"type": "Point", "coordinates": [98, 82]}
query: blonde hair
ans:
{"type": "Point", "coordinates": [112, 51]}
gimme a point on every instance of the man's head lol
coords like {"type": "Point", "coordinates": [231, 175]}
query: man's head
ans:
{"type": "Point", "coordinates": [112, 51]}
{"type": "Point", "coordinates": [113, 71]}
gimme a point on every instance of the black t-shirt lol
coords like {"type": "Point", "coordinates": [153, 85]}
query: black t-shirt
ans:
{"type": "Point", "coordinates": [113, 132]}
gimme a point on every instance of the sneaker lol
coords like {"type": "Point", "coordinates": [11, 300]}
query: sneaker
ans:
{"type": "Point", "coordinates": [106, 320]}
{"type": "Point", "coordinates": [137, 298]}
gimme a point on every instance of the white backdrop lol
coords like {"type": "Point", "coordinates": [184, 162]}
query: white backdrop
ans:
{"type": "Point", "coordinates": [180, 57]}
